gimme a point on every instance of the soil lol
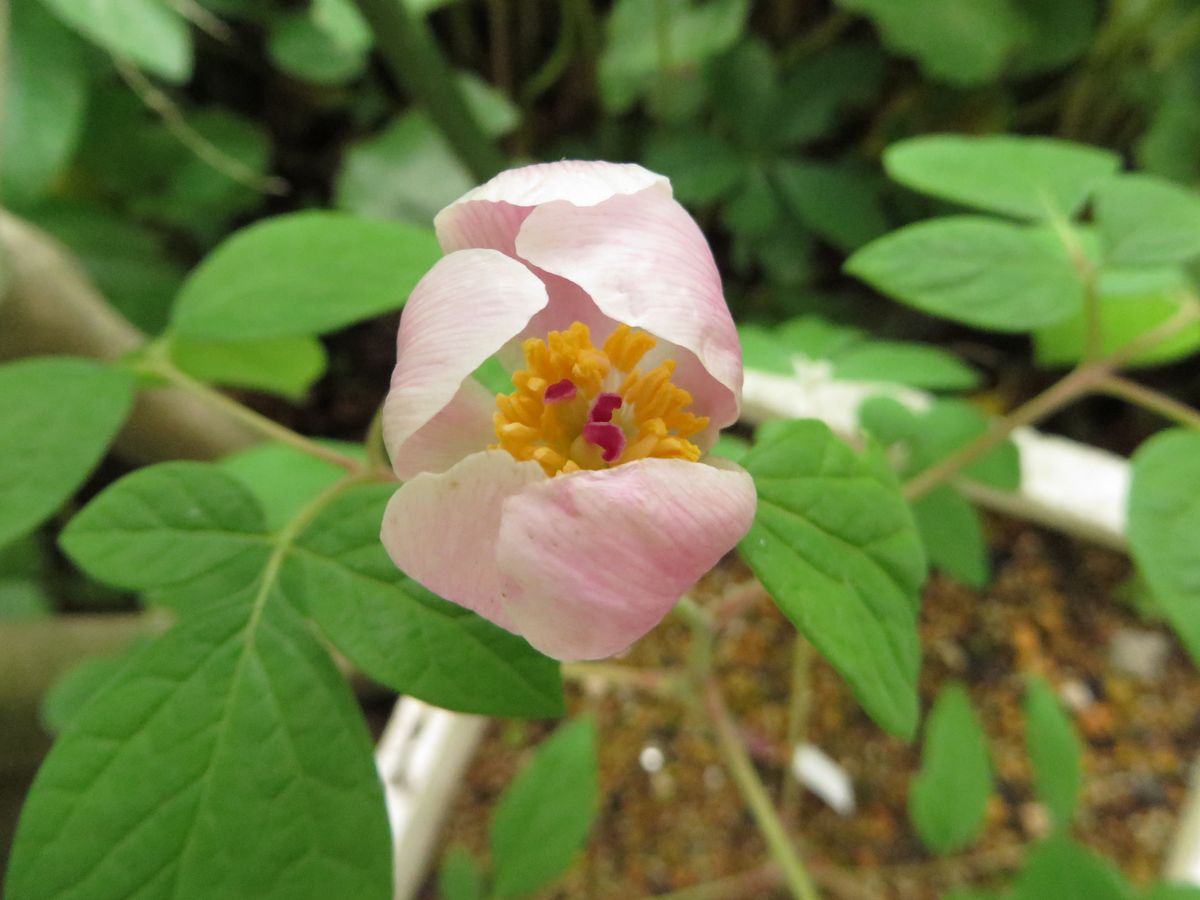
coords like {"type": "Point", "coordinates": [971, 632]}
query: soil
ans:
{"type": "Point", "coordinates": [1052, 608]}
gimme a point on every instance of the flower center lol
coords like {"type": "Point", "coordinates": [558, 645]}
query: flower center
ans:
{"type": "Point", "coordinates": [577, 406]}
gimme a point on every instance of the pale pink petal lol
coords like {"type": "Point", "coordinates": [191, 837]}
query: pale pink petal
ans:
{"type": "Point", "coordinates": [441, 530]}
{"type": "Point", "coordinates": [464, 426]}
{"type": "Point", "coordinates": [591, 561]}
{"type": "Point", "coordinates": [491, 214]}
{"type": "Point", "coordinates": [464, 310]}
{"type": "Point", "coordinates": [644, 261]}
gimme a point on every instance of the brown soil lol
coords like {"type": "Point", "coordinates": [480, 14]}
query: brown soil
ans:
{"type": "Point", "coordinates": [1052, 609]}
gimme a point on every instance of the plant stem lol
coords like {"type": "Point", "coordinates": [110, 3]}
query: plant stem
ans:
{"type": "Point", "coordinates": [411, 52]}
{"type": "Point", "coordinates": [795, 875]}
{"type": "Point", "coordinates": [799, 701]}
{"type": "Point", "coordinates": [1150, 399]}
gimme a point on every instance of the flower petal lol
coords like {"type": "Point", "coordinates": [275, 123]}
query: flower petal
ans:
{"type": "Point", "coordinates": [441, 530]}
{"type": "Point", "coordinates": [593, 560]}
{"type": "Point", "coordinates": [491, 214]}
{"type": "Point", "coordinates": [464, 426]}
{"type": "Point", "coordinates": [467, 307]}
{"type": "Point", "coordinates": [644, 261]}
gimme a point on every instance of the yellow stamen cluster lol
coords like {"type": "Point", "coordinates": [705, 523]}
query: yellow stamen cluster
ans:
{"type": "Point", "coordinates": [652, 416]}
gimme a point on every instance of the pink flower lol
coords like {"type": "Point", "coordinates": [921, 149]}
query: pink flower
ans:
{"type": "Point", "coordinates": [575, 510]}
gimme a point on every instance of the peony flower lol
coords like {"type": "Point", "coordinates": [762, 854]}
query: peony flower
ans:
{"type": "Point", "coordinates": [576, 509]}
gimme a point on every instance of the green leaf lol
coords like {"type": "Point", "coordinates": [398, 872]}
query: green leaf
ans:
{"type": "Point", "coordinates": [303, 273]}
{"type": "Point", "coordinates": [402, 635]}
{"type": "Point", "coordinates": [496, 114]}
{"type": "Point", "coordinates": [948, 799]}
{"type": "Point", "coordinates": [977, 271]}
{"type": "Point", "coordinates": [1054, 750]}
{"type": "Point", "coordinates": [1164, 527]}
{"type": "Point", "coordinates": [23, 600]}
{"type": "Point", "coordinates": [950, 424]}
{"type": "Point", "coordinates": [818, 338]}
{"type": "Point", "coordinates": [227, 758]}
{"type": "Point", "coordinates": [1146, 221]}
{"type": "Point", "coordinates": [44, 96]}
{"type": "Point", "coordinates": [916, 365]}
{"type": "Point", "coordinates": [166, 524]}
{"type": "Point", "coordinates": [836, 547]}
{"type": "Point", "coordinates": [1024, 177]}
{"type": "Point", "coordinates": [745, 94]}
{"type": "Point", "coordinates": [763, 351]}
{"type": "Point", "coordinates": [75, 687]}
{"type": "Point", "coordinates": [1163, 890]}
{"type": "Point", "coordinates": [1060, 33]}
{"type": "Point", "coordinates": [702, 167]}
{"type": "Point", "coordinates": [953, 535]}
{"type": "Point", "coordinates": [1062, 869]}
{"type": "Point", "coordinates": [459, 877]}
{"type": "Point", "coordinates": [59, 415]}
{"type": "Point", "coordinates": [545, 815]}
{"type": "Point", "coordinates": [150, 33]}
{"type": "Point", "coordinates": [731, 447]}
{"type": "Point", "coordinates": [326, 44]}
{"type": "Point", "coordinates": [284, 365]}
{"type": "Point", "coordinates": [821, 87]}
{"type": "Point", "coordinates": [838, 201]}
{"type": "Point", "coordinates": [283, 479]}
{"type": "Point", "coordinates": [956, 42]}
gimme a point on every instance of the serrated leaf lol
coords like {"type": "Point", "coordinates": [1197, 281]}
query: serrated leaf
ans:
{"type": "Point", "coordinates": [402, 635]}
{"type": "Point", "coordinates": [915, 365]}
{"type": "Point", "coordinates": [1024, 177]}
{"type": "Point", "coordinates": [166, 524]}
{"type": "Point", "coordinates": [1054, 750]}
{"type": "Point", "coordinates": [837, 548]}
{"type": "Point", "coordinates": [44, 97]}
{"type": "Point", "coordinates": [948, 799]}
{"type": "Point", "coordinates": [150, 33]}
{"type": "Point", "coordinates": [1146, 221]}
{"type": "Point", "coordinates": [302, 273]}
{"type": "Point", "coordinates": [953, 535]}
{"type": "Point", "coordinates": [545, 815]}
{"type": "Point", "coordinates": [1062, 869]}
{"type": "Point", "coordinates": [1164, 527]}
{"type": "Point", "coordinates": [59, 415]}
{"type": "Point", "coordinates": [973, 270]}
{"type": "Point", "coordinates": [227, 758]}
{"type": "Point", "coordinates": [287, 366]}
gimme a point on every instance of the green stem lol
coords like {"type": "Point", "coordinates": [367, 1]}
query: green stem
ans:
{"type": "Point", "coordinates": [1150, 399]}
{"type": "Point", "coordinates": [795, 875]}
{"type": "Point", "coordinates": [799, 701]}
{"type": "Point", "coordinates": [410, 51]}
{"type": "Point", "coordinates": [376, 448]}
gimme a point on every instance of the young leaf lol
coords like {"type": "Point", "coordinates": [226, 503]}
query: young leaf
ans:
{"type": "Point", "coordinates": [402, 635]}
{"type": "Point", "coordinates": [166, 524]}
{"type": "Point", "coordinates": [227, 758]}
{"type": "Point", "coordinates": [1146, 221]}
{"type": "Point", "coordinates": [150, 33]}
{"type": "Point", "coordinates": [1024, 177]}
{"type": "Point", "coordinates": [953, 535]}
{"type": "Point", "coordinates": [836, 546]}
{"type": "Point", "coordinates": [59, 415]}
{"type": "Point", "coordinates": [1164, 527]}
{"type": "Point", "coordinates": [948, 798]}
{"type": "Point", "coordinates": [545, 815]}
{"type": "Point", "coordinates": [1054, 751]}
{"type": "Point", "coordinates": [1062, 869]}
{"type": "Point", "coordinates": [459, 877]}
{"type": "Point", "coordinates": [916, 365]}
{"type": "Point", "coordinates": [43, 103]}
{"type": "Point", "coordinates": [303, 273]}
{"type": "Point", "coordinates": [285, 365]}
{"type": "Point", "coordinates": [973, 270]}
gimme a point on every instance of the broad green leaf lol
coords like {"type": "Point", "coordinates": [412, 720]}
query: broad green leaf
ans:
{"type": "Point", "coordinates": [953, 535]}
{"type": "Point", "coordinates": [1061, 869]}
{"type": "Point", "coordinates": [166, 524]}
{"type": "Point", "coordinates": [303, 273]}
{"type": "Point", "coordinates": [745, 94]}
{"type": "Point", "coordinates": [402, 635]}
{"type": "Point", "coordinates": [1054, 750]}
{"type": "Point", "coordinates": [1060, 32]}
{"type": "Point", "coordinates": [44, 96]}
{"type": "Point", "coordinates": [283, 479]}
{"type": "Point", "coordinates": [819, 88]}
{"type": "Point", "coordinates": [948, 798]}
{"type": "Point", "coordinates": [544, 816]}
{"type": "Point", "coordinates": [227, 758]}
{"type": "Point", "coordinates": [694, 32]}
{"type": "Point", "coordinates": [59, 415]}
{"type": "Point", "coordinates": [762, 350]}
{"type": "Point", "coordinates": [963, 43]}
{"type": "Point", "coordinates": [973, 270]}
{"type": "Point", "coordinates": [916, 365]}
{"type": "Point", "coordinates": [1024, 177]}
{"type": "Point", "coordinates": [818, 338]}
{"type": "Point", "coordinates": [23, 599]}
{"type": "Point", "coordinates": [284, 365]}
{"type": "Point", "coordinates": [459, 877]}
{"type": "Point", "coordinates": [150, 33]}
{"type": "Point", "coordinates": [836, 547]}
{"type": "Point", "coordinates": [75, 687]}
{"type": "Point", "coordinates": [731, 447]}
{"type": "Point", "coordinates": [702, 167]}
{"type": "Point", "coordinates": [1146, 221]}
{"type": "Point", "coordinates": [838, 201]}
{"type": "Point", "coordinates": [326, 44]}
{"type": "Point", "coordinates": [1164, 890]}
{"type": "Point", "coordinates": [1170, 145]}
{"type": "Point", "coordinates": [1164, 527]}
